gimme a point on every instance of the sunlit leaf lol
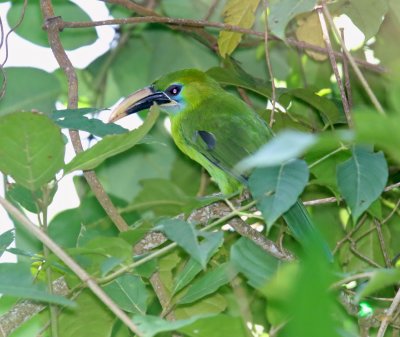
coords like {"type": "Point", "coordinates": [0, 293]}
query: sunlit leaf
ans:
{"type": "Point", "coordinates": [238, 13]}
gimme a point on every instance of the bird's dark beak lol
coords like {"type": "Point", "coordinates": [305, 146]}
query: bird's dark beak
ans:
{"type": "Point", "coordinates": [140, 100]}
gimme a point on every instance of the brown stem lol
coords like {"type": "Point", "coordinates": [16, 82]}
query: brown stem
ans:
{"type": "Point", "coordinates": [70, 263]}
{"type": "Point", "coordinates": [325, 35]}
{"type": "Point", "coordinates": [53, 25]}
{"type": "Point", "coordinates": [269, 66]}
{"type": "Point", "coordinates": [346, 74]}
{"type": "Point", "coordinates": [202, 23]}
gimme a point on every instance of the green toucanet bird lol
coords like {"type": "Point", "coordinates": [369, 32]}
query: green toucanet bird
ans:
{"type": "Point", "coordinates": [214, 128]}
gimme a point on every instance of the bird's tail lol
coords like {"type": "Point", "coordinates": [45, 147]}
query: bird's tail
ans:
{"type": "Point", "coordinates": [298, 220]}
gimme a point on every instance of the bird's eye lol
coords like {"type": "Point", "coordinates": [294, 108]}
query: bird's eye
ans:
{"type": "Point", "coordinates": [174, 89]}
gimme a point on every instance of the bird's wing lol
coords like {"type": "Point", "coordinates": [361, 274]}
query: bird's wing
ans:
{"type": "Point", "coordinates": [225, 130]}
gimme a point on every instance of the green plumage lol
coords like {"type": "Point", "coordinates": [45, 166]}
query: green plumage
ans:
{"type": "Point", "coordinates": [217, 129]}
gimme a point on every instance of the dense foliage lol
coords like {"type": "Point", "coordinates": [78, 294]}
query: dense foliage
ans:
{"type": "Point", "coordinates": [171, 263]}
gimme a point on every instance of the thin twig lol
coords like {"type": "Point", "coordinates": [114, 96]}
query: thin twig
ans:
{"type": "Point", "coordinates": [389, 315]}
{"type": "Point", "coordinates": [211, 10]}
{"type": "Point", "coordinates": [269, 66]}
{"type": "Point", "coordinates": [53, 27]}
{"type": "Point", "coordinates": [346, 74]}
{"type": "Point", "coordinates": [382, 244]}
{"type": "Point", "coordinates": [70, 263]}
{"type": "Point", "coordinates": [202, 23]}
{"type": "Point", "coordinates": [357, 71]}
{"type": "Point", "coordinates": [325, 35]}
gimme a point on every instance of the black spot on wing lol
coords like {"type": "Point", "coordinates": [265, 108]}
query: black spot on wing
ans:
{"type": "Point", "coordinates": [208, 138]}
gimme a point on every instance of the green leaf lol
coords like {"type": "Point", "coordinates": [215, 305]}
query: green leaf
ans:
{"type": "Point", "coordinates": [211, 305]}
{"type": "Point", "coordinates": [163, 197]}
{"type": "Point", "coordinates": [238, 13]}
{"type": "Point", "coordinates": [192, 268]}
{"type": "Point", "coordinates": [31, 148]}
{"type": "Point", "coordinates": [380, 279]}
{"type": "Point", "coordinates": [282, 11]}
{"type": "Point", "coordinates": [189, 272]}
{"type": "Point", "coordinates": [29, 89]}
{"type": "Point", "coordinates": [277, 188]}
{"type": "Point", "coordinates": [129, 292]}
{"type": "Point", "coordinates": [210, 282]}
{"type": "Point", "coordinates": [361, 179]}
{"type": "Point", "coordinates": [6, 239]}
{"type": "Point", "coordinates": [111, 145]}
{"type": "Point", "coordinates": [385, 133]}
{"type": "Point", "coordinates": [89, 315]}
{"type": "Point", "coordinates": [152, 325]}
{"type": "Point", "coordinates": [287, 145]}
{"type": "Point", "coordinates": [66, 227]}
{"type": "Point", "coordinates": [311, 294]}
{"type": "Point", "coordinates": [328, 110]}
{"type": "Point", "coordinates": [33, 20]}
{"type": "Point", "coordinates": [186, 236]}
{"type": "Point", "coordinates": [367, 15]}
{"type": "Point", "coordinates": [216, 326]}
{"type": "Point", "coordinates": [253, 262]}
{"type": "Point", "coordinates": [25, 197]}
{"type": "Point", "coordinates": [75, 119]}
{"type": "Point", "coordinates": [235, 76]}
{"type": "Point", "coordinates": [16, 280]}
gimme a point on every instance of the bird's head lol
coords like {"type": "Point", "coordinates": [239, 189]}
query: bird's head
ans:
{"type": "Point", "coordinates": [173, 93]}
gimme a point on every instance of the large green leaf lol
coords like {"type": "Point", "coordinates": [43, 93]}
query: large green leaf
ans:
{"type": "Point", "coordinates": [282, 11]}
{"type": "Point", "coordinates": [287, 145]}
{"type": "Point", "coordinates": [385, 132]}
{"type": "Point", "coordinates": [31, 148]}
{"type": "Point", "coordinates": [277, 188]}
{"type": "Point", "coordinates": [111, 145]}
{"type": "Point", "coordinates": [328, 110]}
{"type": "Point", "coordinates": [31, 27]}
{"type": "Point", "coordinates": [210, 282]}
{"type": "Point", "coordinates": [216, 326]}
{"type": "Point", "coordinates": [236, 77]}
{"type": "Point", "coordinates": [253, 262]}
{"type": "Point", "coordinates": [91, 315]}
{"type": "Point", "coordinates": [29, 89]}
{"type": "Point", "coordinates": [361, 179]}
{"type": "Point", "coordinates": [75, 119]}
{"type": "Point", "coordinates": [187, 237]}
{"type": "Point", "coordinates": [238, 13]}
{"type": "Point", "coordinates": [129, 292]}
{"type": "Point", "coordinates": [16, 280]}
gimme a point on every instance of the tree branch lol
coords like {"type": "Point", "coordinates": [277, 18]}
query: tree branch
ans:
{"type": "Point", "coordinates": [70, 263]}
{"type": "Point", "coordinates": [53, 25]}
{"type": "Point", "coordinates": [202, 23]}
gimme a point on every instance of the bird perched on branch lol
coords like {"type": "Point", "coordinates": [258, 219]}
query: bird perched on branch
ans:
{"type": "Point", "coordinates": [214, 128]}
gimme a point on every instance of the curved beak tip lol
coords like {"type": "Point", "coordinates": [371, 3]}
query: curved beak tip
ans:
{"type": "Point", "coordinates": [127, 105]}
